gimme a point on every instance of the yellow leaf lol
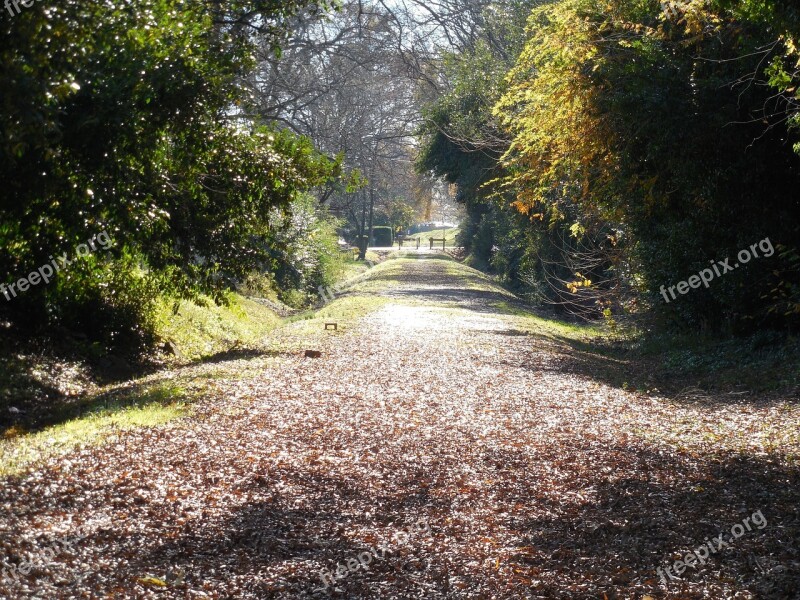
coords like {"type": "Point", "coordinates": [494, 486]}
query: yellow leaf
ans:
{"type": "Point", "coordinates": [152, 581]}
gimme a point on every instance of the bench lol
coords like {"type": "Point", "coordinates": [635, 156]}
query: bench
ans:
{"type": "Point", "coordinates": [433, 239]}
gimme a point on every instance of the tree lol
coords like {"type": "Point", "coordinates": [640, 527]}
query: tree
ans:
{"type": "Point", "coordinates": [341, 82]}
{"type": "Point", "coordinates": [651, 120]}
{"type": "Point", "coordinates": [116, 118]}
{"type": "Point", "coordinates": [400, 215]}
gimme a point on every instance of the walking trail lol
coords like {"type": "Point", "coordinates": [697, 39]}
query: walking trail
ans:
{"type": "Point", "coordinates": [452, 442]}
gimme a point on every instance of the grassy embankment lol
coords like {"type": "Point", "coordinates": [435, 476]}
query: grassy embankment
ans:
{"type": "Point", "coordinates": [207, 338]}
{"type": "Point", "coordinates": [687, 365]}
{"type": "Point", "coordinates": [449, 236]}
{"type": "Point", "coordinates": [53, 401]}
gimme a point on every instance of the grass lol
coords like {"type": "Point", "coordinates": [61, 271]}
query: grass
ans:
{"type": "Point", "coordinates": [685, 365]}
{"type": "Point", "coordinates": [91, 415]}
{"type": "Point", "coordinates": [356, 299]}
{"type": "Point", "coordinates": [343, 311]}
{"type": "Point", "coordinates": [672, 363]}
{"type": "Point", "coordinates": [149, 407]}
{"type": "Point", "coordinates": [351, 267]}
{"type": "Point", "coordinates": [199, 332]}
{"type": "Point", "coordinates": [476, 280]}
{"type": "Point", "coordinates": [202, 331]}
{"type": "Point", "coordinates": [764, 363]}
{"type": "Point", "coordinates": [554, 328]}
{"type": "Point", "coordinates": [450, 236]}
{"type": "Point", "coordinates": [68, 409]}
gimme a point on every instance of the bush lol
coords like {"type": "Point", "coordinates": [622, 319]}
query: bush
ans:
{"type": "Point", "coordinates": [261, 285]}
{"type": "Point", "coordinates": [118, 119]}
{"type": "Point", "coordinates": [656, 133]}
{"type": "Point", "coordinates": [112, 302]}
{"type": "Point", "coordinates": [382, 236]}
{"type": "Point", "coordinates": [304, 251]}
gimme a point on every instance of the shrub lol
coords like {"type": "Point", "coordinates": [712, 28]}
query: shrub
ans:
{"type": "Point", "coordinates": [303, 249]}
{"type": "Point", "coordinates": [382, 236]}
{"type": "Point", "coordinates": [112, 302]}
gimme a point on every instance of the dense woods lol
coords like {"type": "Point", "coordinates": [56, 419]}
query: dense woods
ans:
{"type": "Point", "coordinates": [639, 141]}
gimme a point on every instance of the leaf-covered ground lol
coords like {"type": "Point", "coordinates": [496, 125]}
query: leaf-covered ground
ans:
{"type": "Point", "coordinates": [455, 446]}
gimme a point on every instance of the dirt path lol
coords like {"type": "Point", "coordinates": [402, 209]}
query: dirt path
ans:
{"type": "Point", "coordinates": [442, 447]}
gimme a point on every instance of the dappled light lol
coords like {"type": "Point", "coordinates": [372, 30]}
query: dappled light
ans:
{"type": "Point", "coordinates": [400, 299]}
{"type": "Point", "coordinates": [527, 472]}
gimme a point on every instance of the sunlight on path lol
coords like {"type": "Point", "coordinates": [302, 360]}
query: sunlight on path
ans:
{"type": "Point", "coordinates": [485, 461]}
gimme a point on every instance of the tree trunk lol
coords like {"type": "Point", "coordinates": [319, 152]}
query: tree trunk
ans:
{"type": "Point", "coordinates": [362, 245]}
{"type": "Point", "coordinates": [371, 207]}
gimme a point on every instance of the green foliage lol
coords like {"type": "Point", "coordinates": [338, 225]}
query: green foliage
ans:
{"type": "Point", "coordinates": [464, 141]}
{"type": "Point", "coordinates": [382, 236]}
{"type": "Point", "coordinates": [460, 139]}
{"type": "Point", "coordinates": [622, 113]}
{"type": "Point", "coordinates": [784, 298]}
{"type": "Point", "coordinates": [638, 144]}
{"type": "Point", "coordinates": [399, 215]}
{"type": "Point", "coordinates": [112, 302]}
{"type": "Point", "coordinates": [117, 118]}
{"type": "Point", "coordinates": [303, 250]}
{"type": "Point", "coordinates": [202, 331]}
